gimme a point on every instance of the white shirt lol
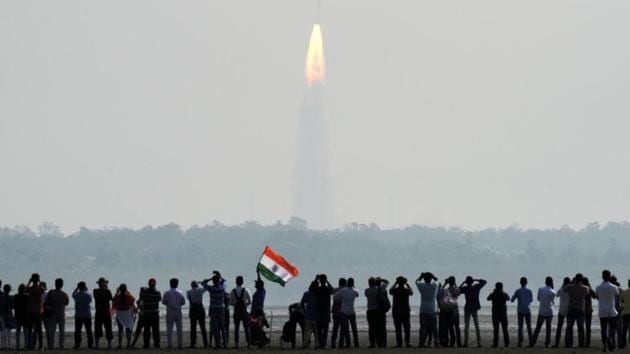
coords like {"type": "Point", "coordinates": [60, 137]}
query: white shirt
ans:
{"type": "Point", "coordinates": [607, 293]}
{"type": "Point", "coordinates": [564, 302]}
{"type": "Point", "coordinates": [173, 300]}
{"type": "Point", "coordinates": [347, 296]}
{"type": "Point", "coordinates": [546, 295]}
{"type": "Point", "coordinates": [235, 294]}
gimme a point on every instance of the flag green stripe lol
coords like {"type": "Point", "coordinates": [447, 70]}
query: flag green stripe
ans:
{"type": "Point", "coordinates": [270, 275]}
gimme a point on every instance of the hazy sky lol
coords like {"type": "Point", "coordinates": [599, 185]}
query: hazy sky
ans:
{"type": "Point", "coordinates": [470, 113]}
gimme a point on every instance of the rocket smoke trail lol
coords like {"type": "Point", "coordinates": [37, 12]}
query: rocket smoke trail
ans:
{"type": "Point", "coordinates": [312, 192]}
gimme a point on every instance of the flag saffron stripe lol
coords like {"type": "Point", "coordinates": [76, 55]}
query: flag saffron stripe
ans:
{"type": "Point", "coordinates": [278, 259]}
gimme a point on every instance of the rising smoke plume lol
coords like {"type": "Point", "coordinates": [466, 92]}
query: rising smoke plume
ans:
{"type": "Point", "coordinates": [312, 192]}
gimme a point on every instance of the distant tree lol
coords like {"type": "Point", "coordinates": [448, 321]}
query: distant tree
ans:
{"type": "Point", "coordinates": [298, 223]}
{"type": "Point", "coordinates": [49, 229]}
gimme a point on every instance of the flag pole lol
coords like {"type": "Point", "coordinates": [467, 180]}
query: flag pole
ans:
{"type": "Point", "coordinates": [261, 256]}
{"type": "Point", "coordinates": [270, 327]}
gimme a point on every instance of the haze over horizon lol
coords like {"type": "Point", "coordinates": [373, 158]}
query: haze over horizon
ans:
{"type": "Point", "coordinates": [476, 114]}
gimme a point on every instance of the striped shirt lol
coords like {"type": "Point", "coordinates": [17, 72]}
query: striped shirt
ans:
{"type": "Point", "coordinates": [150, 299]}
{"type": "Point", "coordinates": [217, 294]}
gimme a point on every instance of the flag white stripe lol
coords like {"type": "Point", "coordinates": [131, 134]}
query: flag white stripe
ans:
{"type": "Point", "coordinates": [275, 268]}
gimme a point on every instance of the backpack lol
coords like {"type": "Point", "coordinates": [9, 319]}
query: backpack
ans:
{"type": "Point", "coordinates": [383, 301]}
{"type": "Point", "coordinates": [48, 305]}
{"type": "Point", "coordinates": [239, 306]}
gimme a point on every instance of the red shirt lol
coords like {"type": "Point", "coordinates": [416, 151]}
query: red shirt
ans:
{"type": "Point", "coordinates": [128, 304]}
{"type": "Point", "coordinates": [35, 299]}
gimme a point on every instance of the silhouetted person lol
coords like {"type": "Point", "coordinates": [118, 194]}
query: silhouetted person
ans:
{"type": "Point", "coordinates": [524, 298]}
{"type": "Point", "coordinates": [174, 299]}
{"type": "Point", "coordinates": [336, 313]}
{"type": "Point", "coordinates": [499, 300]}
{"type": "Point", "coordinates": [607, 294]}
{"type": "Point", "coordinates": [323, 292]}
{"type": "Point", "coordinates": [577, 298]}
{"type": "Point", "coordinates": [149, 321]}
{"type": "Point", "coordinates": [57, 299]}
{"type": "Point", "coordinates": [82, 315]}
{"type": "Point", "coordinates": [289, 329]}
{"type": "Point", "coordinates": [563, 308]}
{"type": "Point", "coordinates": [309, 305]}
{"type": "Point", "coordinates": [348, 295]}
{"type": "Point", "coordinates": [427, 287]}
{"type": "Point", "coordinates": [471, 288]}
{"type": "Point", "coordinates": [588, 312]}
{"type": "Point", "coordinates": [377, 302]}
{"type": "Point", "coordinates": [103, 313]}
{"type": "Point", "coordinates": [625, 305]}
{"type": "Point", "coordinates": [546, 296]}
{"type": "Point", "coordinates": [217, 308]}
{"type": "Point", "coordinates": [20, 301]}
{"type": "Point", "coordinates": [197, 314]}
{"type": "Point", "coordinates": [401, 311]}
{"type": "Point", "coordinates": [619, 323]}
{"type": "Point", "coordinates": [240, 300]}
{"type": "Point", "coordinates": [7, 322]}
{"type": "Point", "coordinates": [35, 311]}
{"type": "Point", "coordinates": [225, 333]}
{"type": "Point", "coordinates": [124, 304]}
{"type": "Point", "coordinates": [258, 298]}
{"type": "Point", "coordinates": [449, 313]}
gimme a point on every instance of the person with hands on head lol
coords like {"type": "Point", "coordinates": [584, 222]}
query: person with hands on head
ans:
{"type": "Point", "coordinates": [323, 293]}
{"type": "Point", "coordinates": [35, 311]}
{"type": "Point", "coordinates": [471, 288]}
{"type": "Point", "coordinates": [401, 291]}
{"type": "Point", "coordinates": [82, 314]}
{"type": "Point", "coordinates": [217, 308]}
{"type": "Point", "coordinates": [197, 314]}
{"type": "Point", "coordinates": [427, 287]}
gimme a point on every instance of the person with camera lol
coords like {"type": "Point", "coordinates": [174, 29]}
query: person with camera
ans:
{"type": "Point", "coordinates": [217, 308]}
{"type": "Point", "coordinates": [323, 293]}
{"type": "Point", "coordinates": [401, 291]}
{"type": "Point", "coordinates": [377, 307]}
{"type": "Point", "coordinates": [427, 287]}
{"type": "Point", "coordinates": [346, 296]}
{"type": "Point", "coordinates": [35, 311]}
{"type": "Point", "coordinates": [336, 314]}
{"type": "Point", "coordinates": [82, 315]}
{"type": "Point", "coordinates": [471, 288]}
{"type": "Point", "coordinates": [197, 314]}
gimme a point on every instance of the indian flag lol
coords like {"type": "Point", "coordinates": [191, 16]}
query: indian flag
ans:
{"type": "Point", "coordinates": [275, 268]}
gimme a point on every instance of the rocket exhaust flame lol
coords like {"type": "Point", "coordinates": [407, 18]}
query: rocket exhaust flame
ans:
{"type": "Point", "coordinates": [315, 66]}
{"type": "Point", "coordinates": [312, 188]}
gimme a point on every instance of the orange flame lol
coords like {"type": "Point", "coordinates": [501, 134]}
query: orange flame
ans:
{"type": "Point", "coordinates": [315, 66]}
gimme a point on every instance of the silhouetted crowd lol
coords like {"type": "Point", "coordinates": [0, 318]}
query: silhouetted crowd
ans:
{"type": "Point", "coordinates": [36, 311]}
